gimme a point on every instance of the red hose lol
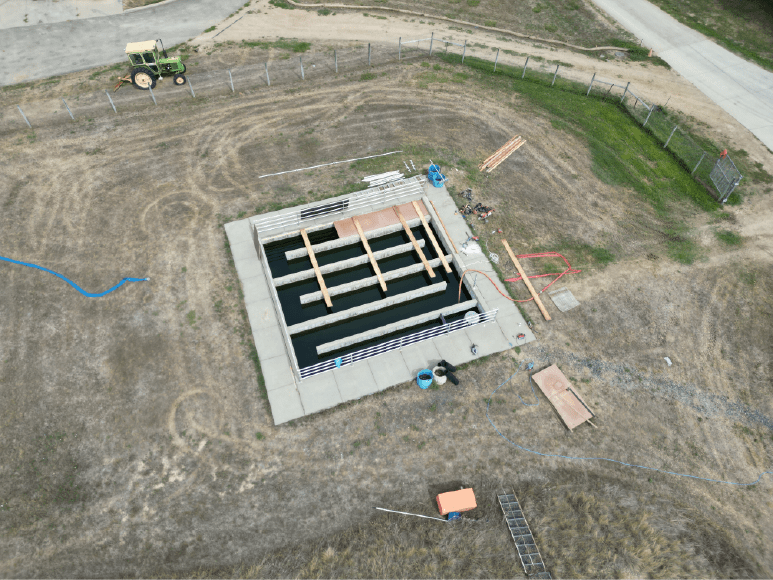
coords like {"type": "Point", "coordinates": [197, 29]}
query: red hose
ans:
{"type": "Point", "coordinates": [569, 270]}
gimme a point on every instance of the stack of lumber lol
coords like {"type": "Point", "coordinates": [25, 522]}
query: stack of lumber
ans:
{"type": "Point", "coordinates": [382, 178]}
{"type": "Point", "coordinates": [502, 153]}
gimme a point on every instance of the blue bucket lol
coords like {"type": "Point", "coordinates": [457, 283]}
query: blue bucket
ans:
{"type": "Point", "coordinates": [424, 383]}
{"type": "Point", "coordinates": [454, 516]}
{"type": "Point", "coordinates": [434, 168]}
{"type": "Point", "coordinates": [437, 179]}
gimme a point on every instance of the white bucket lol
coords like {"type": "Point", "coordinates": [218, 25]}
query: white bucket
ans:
{"type": "Point", "coordinates": [439, 374]}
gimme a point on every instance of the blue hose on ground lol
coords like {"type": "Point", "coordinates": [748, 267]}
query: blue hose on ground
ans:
{"type": "Point", "coordinates": [73, 284]}
{"type": "Point", "coordinates": [488, 404]}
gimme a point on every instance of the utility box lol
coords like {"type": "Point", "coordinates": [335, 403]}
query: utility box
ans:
{"type": "Point", "coordinates": [456, 501]}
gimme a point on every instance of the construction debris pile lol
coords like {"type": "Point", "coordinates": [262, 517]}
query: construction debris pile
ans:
{"type": "Point", "coordinates": [502, 153]}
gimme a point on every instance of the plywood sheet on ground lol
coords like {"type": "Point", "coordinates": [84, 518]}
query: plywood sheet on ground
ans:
{"type": "Point", "coordinates": [563, 396]}
{"type": "Point", "coordinates": [377, 219]}
{"type": "Point", "coordinates": [462, 500]}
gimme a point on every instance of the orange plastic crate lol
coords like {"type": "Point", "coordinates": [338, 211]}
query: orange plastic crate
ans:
{"type": "Point", "coordinates": [456, 501]}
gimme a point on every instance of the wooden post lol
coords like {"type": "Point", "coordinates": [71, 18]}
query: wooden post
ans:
{"type": "Point", "coordinates": [464, 50]}
{"type": "Point", "coordinates": [416, 247]}
{"type": "Point", "coordinates": [230, 77]}
{"type": "Point", "coordinates": [554, 75]}
{"type": "Point", "coordinates": [440, 253]}
{"type": "Point", "coordinates": [314, 265]}
{"type": "Point", "coordinates": [496, 60]}
{"type": "Point", "coordinates": [335, 56]}
{"type": "Point", "coordinates": [303, 77]}
{"type": "Point", "coordinates": [369, 54]}
{"type": "Point", "coordinates": [450, 239]}
{"type": "Point", "coordinates": [526, 280]}
{"type": "Point", "coordinates": [431, 38]}
{"type": "Point", "coordinates": [268, 80]}
{"type": "Point", "coordinates": [370, 254]}
{"type": "Point", "coordinates": [524, 67]}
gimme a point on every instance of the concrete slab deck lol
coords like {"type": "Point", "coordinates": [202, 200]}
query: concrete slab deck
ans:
{"type": "Point", "coordinates": [291, 398]}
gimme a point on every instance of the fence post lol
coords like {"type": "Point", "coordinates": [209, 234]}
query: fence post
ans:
{"type": "Point", "coordinates": [230, 77]}
{"type": "Point", "coordinates": [68, 108]}
{"type": "Point", "coordinates": [464, 50]}
{"type": "Point", "coordinates": [554, 75]}
{"type": "Point", "coordinates": [496, 60]}
{"type": "Point", "coordinates": [109, 98]}
{"type": "Point", "coordinates": [524, 67]}
{"type": "Point", "coordinates": [591, 84]}
{"type": "Point", "coordinates": [303, 76]}
{"type": "Point", "coordinates": [25, 116]}
{"type": "Point", "coordinates": [268, 80]}
{"type": "Point", "coordinates": [652, 108]}
{"type": "Point", "coordinates": [369, 54]}
{"type": "Point", "coordinates": [698, 164]}
{"type": "Point", "coordinates": [399, 48]}
{"type": "Point", "coordinates": [669, 137]}
{"type": "Point", "coordinates": [431, 39]}
{"type": "Point", "coordinates": [625, 92]}
{"type": "Point", "coordinates": [190, 84]}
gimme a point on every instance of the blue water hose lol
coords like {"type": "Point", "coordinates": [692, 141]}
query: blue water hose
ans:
{"type": "Point", "coordinates": [488, 404]}
{"type": "Point", "coordinates": [70, 282]}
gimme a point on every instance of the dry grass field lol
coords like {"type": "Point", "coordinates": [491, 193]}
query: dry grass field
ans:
{"type": "Point", "coordinates": [135, 439]}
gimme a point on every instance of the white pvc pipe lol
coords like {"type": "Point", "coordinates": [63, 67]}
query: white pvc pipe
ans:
{"type": "Point", "coordinates": [326, 164]}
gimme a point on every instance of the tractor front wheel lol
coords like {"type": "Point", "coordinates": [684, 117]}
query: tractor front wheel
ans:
{"type": "Point", "coordinates": [179, 79]}
{"type": "Point", "coordinates": [143, 79]}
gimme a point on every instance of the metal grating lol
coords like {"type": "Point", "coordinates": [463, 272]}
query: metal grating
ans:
{"type": "Point", "coordinates": [563, 299]}
{"type": "Point", "coordinates": [531, 559]}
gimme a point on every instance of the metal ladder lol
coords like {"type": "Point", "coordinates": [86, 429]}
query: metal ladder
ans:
{"type": "Point", "coordinates": [531, 559]}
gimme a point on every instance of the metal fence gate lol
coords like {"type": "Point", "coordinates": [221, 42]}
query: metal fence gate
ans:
{"type": "Point", "coordinates": [725, 176]}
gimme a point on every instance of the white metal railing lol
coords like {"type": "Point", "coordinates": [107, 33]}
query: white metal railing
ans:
{"type": "Point", "coordinates": [396, 344]}
{"type": "Point", "coordinates": [381, 194]}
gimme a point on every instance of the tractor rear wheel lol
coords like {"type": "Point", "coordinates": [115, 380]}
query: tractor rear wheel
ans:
{"type": "Point", "coordinates": [179, 79]}
{"type": "Point", "coordinates": [143, 79]}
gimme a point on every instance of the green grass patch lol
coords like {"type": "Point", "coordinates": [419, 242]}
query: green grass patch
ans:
{"type": "Point", "coordinates": [729, 238]}
{"type": "Point", "coordinates": [368, 76]}
{"type": "Point", "coordinates": [281, 4]}
{"type": "Point", "coordinates": [637, 53]}
{"type": "Point", "coordinates": [744, 27]}
{"type": "Point", "coordinates": [282, 43]}
{"type": "Point", "coordinates": [210, 29]}
{"type": "Point", "coordinates": [624, 154]}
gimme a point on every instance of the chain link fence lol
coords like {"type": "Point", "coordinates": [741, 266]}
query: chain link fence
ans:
{"type": "Point", "coordinates": [706, 168]}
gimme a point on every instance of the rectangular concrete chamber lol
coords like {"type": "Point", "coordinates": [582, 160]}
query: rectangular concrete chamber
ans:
{"type": "Point", "coordinates": [398, 299]}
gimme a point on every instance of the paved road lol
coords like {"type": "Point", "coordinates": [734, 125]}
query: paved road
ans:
{"type": "Point", "coordinates": [741, 88]}
{"type": "Point", "coordinates": [36, 52]}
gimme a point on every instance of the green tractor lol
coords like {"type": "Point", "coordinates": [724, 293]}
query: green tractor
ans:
{"type": "Point", "coordinates": [148, 65]}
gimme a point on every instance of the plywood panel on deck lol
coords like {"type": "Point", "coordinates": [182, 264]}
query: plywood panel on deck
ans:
{"type": "Point", "coordinates": [377, 219]}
